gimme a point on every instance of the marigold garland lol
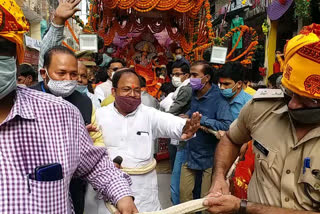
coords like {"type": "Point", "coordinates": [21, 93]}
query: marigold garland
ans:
{"type": "Point", "coordinates": [209, 17]}
{"type": "Point", "coordinates": [72, 32]}
{"type": "Point", "coordinates": [182, 6]}
{"type": "Point", "coordinates": [249, 51]}
{"type": "Point", "coordinates": [68, 46]}
{"type": "Point", "coordinates": [189, 8]}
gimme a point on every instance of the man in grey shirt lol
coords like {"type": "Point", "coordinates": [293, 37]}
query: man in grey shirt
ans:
{"type": "Point", "coordinates": [181, 104]}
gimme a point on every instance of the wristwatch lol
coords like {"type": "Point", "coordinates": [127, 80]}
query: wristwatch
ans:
{"type": "Point", "coordinates": [243, 207]}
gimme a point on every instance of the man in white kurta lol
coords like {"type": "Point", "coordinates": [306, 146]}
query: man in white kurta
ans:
{"type": "Point", "coordinates": [130, 135]}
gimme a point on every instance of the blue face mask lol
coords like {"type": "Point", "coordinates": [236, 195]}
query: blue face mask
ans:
{"type": "Point", "coordinates": [83, 89]}
{"type": "Point", "coordinates": [8, 69]}
{"type": "Point", "coordinates": [228, 93]}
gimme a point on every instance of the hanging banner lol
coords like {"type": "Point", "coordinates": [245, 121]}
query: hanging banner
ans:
{"type": "Point", "coordinates": [31, 56]}
{"type": "Point", "coordinates": [32, 43]}
{"type": "Point", "coordinates": [218, 55]}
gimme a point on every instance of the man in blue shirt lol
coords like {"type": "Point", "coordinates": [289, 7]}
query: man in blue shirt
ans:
{"type": "Point", "coordinates": [231, 84]}
{"type": "Point", "coordinates": [208, 101]}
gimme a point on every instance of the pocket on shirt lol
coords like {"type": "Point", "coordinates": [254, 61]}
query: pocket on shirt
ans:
{"type": "Point", "coordinates": [264, 165]}
{"type": "Point", "coordinates": [48, 196]}
{"type": "Point", "coordinates": [140, 147]}
{"type": "Point", "coordinates": [310, 185]}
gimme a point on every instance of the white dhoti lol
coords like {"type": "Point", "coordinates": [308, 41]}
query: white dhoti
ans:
{"type": "Point", "coordinates": [145, 192]}
{"type": "Point", "coordinates": [132, 137]}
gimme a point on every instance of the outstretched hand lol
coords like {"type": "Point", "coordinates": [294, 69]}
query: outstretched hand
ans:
{"type": "Point", "coordinates": [65, 10]}
{"type": "Point", "coordinates": [192, 126]}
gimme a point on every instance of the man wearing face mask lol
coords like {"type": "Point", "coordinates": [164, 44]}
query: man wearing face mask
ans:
{"type": "Point", "coordinates": [286, 140]}
{"type": "Point", "coordinates": [180, 60]}
{"type": "Point", "coordinates": [41, 131]}
{"type": "Point", "coordinates": [181, 104]}
{"type": "Point", "coordinates": [182, 95]}
{"type": "Point", "coordinates": [208, 100]}
{"type": "Point", "coordinates": [59, 72]}
{"type": "Point", "coordinates": [129, 128]}
{"type": "Point", "coordinates": [86, 59]}
{"type": "Point", "coordinates": [103, 90]}
{"type": "Point", "coordinates": [60, 75]}
{"type": "Point", "coordinates": [231, 85]}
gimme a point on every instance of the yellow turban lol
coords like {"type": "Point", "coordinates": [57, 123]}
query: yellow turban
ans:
{"type": "Point", "coordinates": [301, 69]}
{"type": "Point", "coordinates": [13, 25]}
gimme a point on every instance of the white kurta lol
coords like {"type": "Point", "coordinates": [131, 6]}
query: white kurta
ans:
{"type": "Point", "coordinates": [131, 137]}
{"type": "Point", "coordinates": [103, 90]}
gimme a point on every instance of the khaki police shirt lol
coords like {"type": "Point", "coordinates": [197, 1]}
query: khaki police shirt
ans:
{"type": "Point", "coordinates": [278, 178]}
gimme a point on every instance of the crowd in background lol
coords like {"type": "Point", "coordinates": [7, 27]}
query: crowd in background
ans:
{"type": "Point", "coordinates": [70, 129]}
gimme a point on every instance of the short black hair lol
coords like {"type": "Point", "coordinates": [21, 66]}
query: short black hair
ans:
{"type": "Point", "coordinates": [232, 70]}
{"type": "Point", "coordinates": [167, 88]}
{"type": "Point", "coordinates": [27, 70]}
{"type": "Point", "coordinates": [117, 75]}
{"type": "Point", "coordinates": [207, 69]}
{"type": "Point", "coordinates": [116, 60]}
{"type": "Point", "coordinates": [177, 48]}
{"type": "Point", "coordinates": [101, 75]}
{"type": "Point", "coordinates": [55, 49]}
{"type": "Point", "coordinates": [272, 79]}
{"type": "Point", "coordinates": [184, 67]}
{"type": "Point", "coordinates": [100, 42]}
{"type": "Point", "coordinates": [207, 55]}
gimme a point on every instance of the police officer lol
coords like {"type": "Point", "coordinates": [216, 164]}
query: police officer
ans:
{"type": "Point", "coordinates": [286, 140]}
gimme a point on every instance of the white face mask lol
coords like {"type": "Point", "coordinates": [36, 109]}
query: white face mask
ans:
{"type": "Point", "coordinates": [176, 81]}
{"type": "Point", "coordinates": [8, 70]}
{"type": "Point", "coordinates": [178, 56]}
{"type": "Point", "coordinates": [61, 88]}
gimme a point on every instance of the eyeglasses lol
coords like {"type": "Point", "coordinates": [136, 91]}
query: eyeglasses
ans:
{"type": "Point", "coordinates": [304, 100]}
{"type": "Point", "coordinates": [177, 74]}
{"type": "Point", "coordinates": [127, 91]}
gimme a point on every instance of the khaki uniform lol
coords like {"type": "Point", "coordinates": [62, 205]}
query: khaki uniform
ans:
{"type": "Point", "coordinates": [278, 178]}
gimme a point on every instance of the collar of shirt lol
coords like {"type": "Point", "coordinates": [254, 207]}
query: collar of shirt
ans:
{"type": "Point", "coordinates": [208, 94]}
{"type": "Point", "coordinates": [281, 110]}
{"type": "Point", "coordinates": [128, 115]}
{"type": "Point", "coordinates": [311, 134]}
{"type": "Point", "coordinates": [241, 98]}
{"type": "Point", "coordinates": [21, 108]}
{"type": "Point", "coordinates": [176, 92]}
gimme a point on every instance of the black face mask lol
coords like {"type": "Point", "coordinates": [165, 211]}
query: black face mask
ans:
{"type": "Point", "coordinates": [303, 115]}
{"type": "Point", "coordinates": [306, 116]}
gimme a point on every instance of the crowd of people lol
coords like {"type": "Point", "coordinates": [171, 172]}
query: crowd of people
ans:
{"type": "Point", "coordinates": [81, 130]}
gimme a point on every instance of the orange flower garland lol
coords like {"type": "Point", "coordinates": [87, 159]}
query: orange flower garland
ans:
{"type": "Point", "coordinates": [209, 17]}
{"type": "Point", "coordinates": [249, 51]}
{"type": "Point", "coordinates": [68, 46]}
{"type": "Point", "coordinates": [167, 4]}
{"type": "Point", "coordinates": [72, 32]}
{"type": "Point", "coordinates": [182, 6]}
{"type": "Point", "coordinates": [252, 44]}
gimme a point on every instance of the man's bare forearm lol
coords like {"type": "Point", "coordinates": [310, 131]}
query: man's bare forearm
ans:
{"type": "Point", "coordinates": [225, 154]}
{"type": "Point", "coordinates": [253, 208]}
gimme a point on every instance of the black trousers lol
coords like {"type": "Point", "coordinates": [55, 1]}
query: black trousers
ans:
{"type": "Point", "coordinates": [78, 190]}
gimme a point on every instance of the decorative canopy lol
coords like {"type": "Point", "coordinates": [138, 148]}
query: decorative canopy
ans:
{"type": "Point", "coordinates": [182, 6]}
{"type": "Point", "coordinates": [186, 22]}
